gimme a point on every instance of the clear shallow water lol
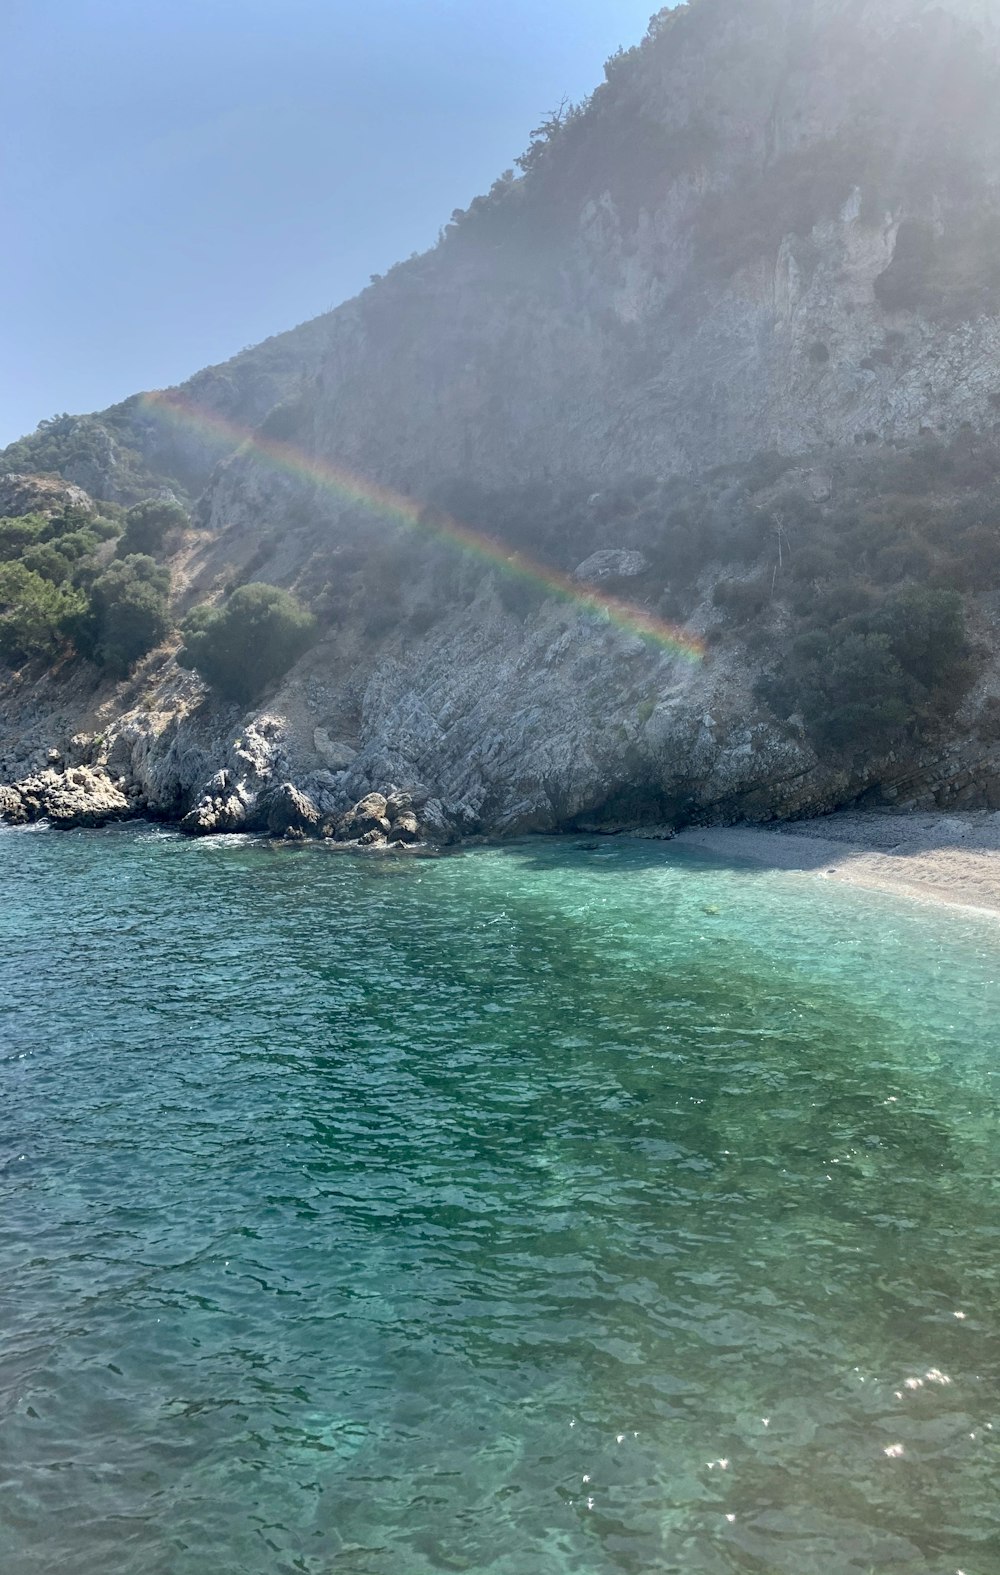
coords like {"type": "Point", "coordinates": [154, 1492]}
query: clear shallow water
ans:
{"type": "Point", "coordinates": [528, 1211]}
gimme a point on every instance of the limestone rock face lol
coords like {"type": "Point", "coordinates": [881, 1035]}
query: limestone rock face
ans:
{"type": "Point", "coordinates": [716, 282]}
{"type": "Point", "coordinates": [690, 310]}
{"type": "Point", "coordinates": [30, 494]}
{"type": "Point", "coordinates": [335, 755]}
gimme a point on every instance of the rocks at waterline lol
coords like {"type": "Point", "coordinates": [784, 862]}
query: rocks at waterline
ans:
{"type": "Point", "coordinates": [287, 810]}
{"type": "Point", "coordinates": [84, 796]}
{"type": "Point", "coordinates": [66, 789]}
{"type": "Point", "coordinates": [223, 808]}
{"type": "Point", "coordinates": [367, 816]}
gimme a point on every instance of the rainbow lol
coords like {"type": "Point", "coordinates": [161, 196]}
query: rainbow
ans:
{"type": "Point", "coordinates": [344, 484]}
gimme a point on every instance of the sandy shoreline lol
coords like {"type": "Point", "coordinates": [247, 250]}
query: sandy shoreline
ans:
{"type": "Point", "coordinates": [938, 858]}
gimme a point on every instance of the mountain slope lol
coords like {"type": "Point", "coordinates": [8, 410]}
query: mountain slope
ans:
{"type": "Point", "coordinates": [773, 226]}
{"type": "Point", "coordinates": [738, 317]}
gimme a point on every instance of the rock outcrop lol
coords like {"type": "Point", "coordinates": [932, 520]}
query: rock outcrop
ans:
{"type": "Point", "coordinates": [610, 563]}
{"type": "Point", "coordinates": [78, 797]}
{"type": "Point", "coordinates": [30, 494]}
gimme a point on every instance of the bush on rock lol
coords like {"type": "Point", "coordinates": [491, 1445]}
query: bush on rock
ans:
{"type": "Point", "coordinates": [128, 613]}
{"type": "Point", "coordinates": [34, 613]}
{"type": "Point", "coordinates": [249, 642]}
{"type": "Point", "coordinates": [149, 524]}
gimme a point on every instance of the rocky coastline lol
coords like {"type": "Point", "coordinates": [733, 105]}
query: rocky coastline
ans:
{"type": "Point", "coordinates": [87, 798]}
{"type": "Point", "coordinates": [772, 421]}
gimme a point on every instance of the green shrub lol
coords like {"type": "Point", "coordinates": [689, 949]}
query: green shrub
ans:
{"type": "Point", "coordinates": [127, 613]}
{"type": "Point", "coordinates": [814, 562]}
{"type": "Point", "coordinates": [149, 524]}
{"type": "Point", "coordinates": [848, 687]}
{"type": "Point", "coordinates": [742, 600]}
{"type": "Point", "coordinates": [252, 640]}
{"type": "Point", "coordinates": [926, 632]}
{"type": "Point", "coordinates": [18, 533]}
{"type": "Point", "coordinates": [864, 678]}
{"type": "Point", "coordinates": [34, 613]}
{"type": "Point", "coordinates": [46, 559]}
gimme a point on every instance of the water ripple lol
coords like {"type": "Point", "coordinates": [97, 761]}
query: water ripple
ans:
{"type": "Point", "coordinates": [517, 1211]}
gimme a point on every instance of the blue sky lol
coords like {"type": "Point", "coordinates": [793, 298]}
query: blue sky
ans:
{"type": "Point", "coordinates": [184, 177]}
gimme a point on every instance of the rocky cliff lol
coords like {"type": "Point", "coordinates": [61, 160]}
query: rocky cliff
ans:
{"type": "Point", "coordinates": [772, 230]}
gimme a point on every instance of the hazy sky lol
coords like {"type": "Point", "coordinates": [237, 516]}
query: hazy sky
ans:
{"type": "Point", "coordinates": [182, 178]}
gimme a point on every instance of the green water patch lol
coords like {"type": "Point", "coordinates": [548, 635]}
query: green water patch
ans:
{"type": "Point", "coordinates": [556, 1208]}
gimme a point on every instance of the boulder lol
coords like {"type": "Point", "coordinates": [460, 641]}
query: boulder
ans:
{"type": "Point", "coordinates": [402, 799]}
{"type": "Point", "coordinates": [12, 809]}
{"type": "Point", "coordinates": [368, 814]}
{"type": "Point", "coordinates": [611, 563]}
{"type": "Point", "coordinates": [82, 749]}
{"type": "Point", "coordinates": [83, 796]}
{"type": "Point", "coordinates": [216, 813]}
{"type": "Point", "coordinates": [405, 827]}
{"type": "Point", "coordinates": [285, 809]}
{"type": "Point", "coordinates": [30, 494]}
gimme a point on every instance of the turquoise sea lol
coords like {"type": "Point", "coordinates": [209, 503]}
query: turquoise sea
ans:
{"type": "Point", "coordinates": [556, 1209]}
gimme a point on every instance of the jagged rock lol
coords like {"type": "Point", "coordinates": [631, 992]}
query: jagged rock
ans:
{"type": "Point", "coordinates": [118, 756]}
{"type": "Point", "coordinates": [405, 827]}
{"type": "Point", "coordinates": [200, 821]}
{"type": "Point", "coordinates": [287, 809]}
{"type": "Point", "coordinates": [402, 799]}
{"type": "Point", "coordinates": [30, 494]}
{"type": "Point", "coordinates": [437, 823]}
{"type": "Point", "coordinates": [611, 563]}
{"type": "Point", "coordinates": [368, 814]}
{"type": "Point", "coordinates": [12, 809]}
{"type": "Point", "coordinates": [81, 749]}
{"type": "Point", "coordinates": [372, 804]}
{"type": "Point", "coordinates": [82, 796]}
{"type": "Point", "coordinates": [218, 813]}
